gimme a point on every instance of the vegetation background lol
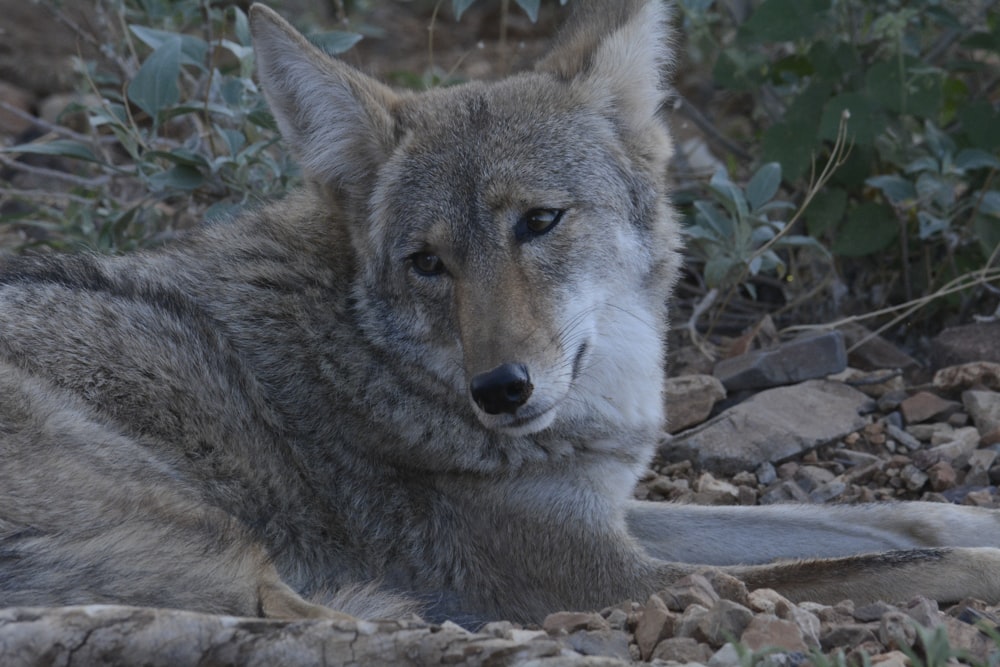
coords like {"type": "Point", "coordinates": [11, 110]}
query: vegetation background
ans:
{"type": "Point", "coordinates": [837, 159]}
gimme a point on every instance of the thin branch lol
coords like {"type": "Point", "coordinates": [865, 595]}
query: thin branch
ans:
{"type": "Point", "coordinates": [706, 126]}
{"type": "Point", "coordinates": [97, 182]}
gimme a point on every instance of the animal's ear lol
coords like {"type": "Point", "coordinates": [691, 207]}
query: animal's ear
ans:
{"type": "Point", "coordinates": [336, 120]}
{"type": "Point", "coordinates": [620, 52]}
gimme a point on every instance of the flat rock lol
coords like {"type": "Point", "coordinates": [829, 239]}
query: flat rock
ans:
{"type": "Point", "coordinates": [690, 399]}
{"type": "Point", "coordinates": [770, 427]}
{"type": "Point", "coordinates": [965, 344]}
{"type": "Point", "coordinates": [875, 352]}
{"type": "Point", "coordinates": [984, 408]}
{"type": "Point", "coordinates": [985, 374]}
{"type": "Point", "coordinates": [772, 632]}
{"type": "Point", "coordinates": [924, 406]}
{"type": "Point", "coordinates": [804, 358]}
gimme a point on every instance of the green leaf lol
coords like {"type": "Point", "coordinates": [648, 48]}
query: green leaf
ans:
{"type": "Point", "coordinates": [930, 225]}
{"type": "Point", "coordinates": [61, 147]}
{"type": "Point", "coordinates": [763, 185]}
{"type": "Point", "coordinates": [787, 20]}
{"type": "Point", "coordinates": [896, 188]}
{"type": "Point", "coordinates": [869, 228]}
{"type": "Point", "coordinates": [714, 219]}
{"type": "Point", "coordinates": [826, 210]}
{"type": "Point", "coordinates": [975, 158]}
{"type": "Point", "coordinates": [193, 49]}
{"type": "Point", "coordinates": [729, 194]}
{"type": "Point", "coordinates": [925, 163]}
{"type": "Point", "coordinates": [181, 177]}
{"type": "Point", "coordinates": [241, 25]}
{"type": "Point", "coordinates": [981, 123]}
{"type": "Point", "coordinates": [335, 41]}
{"type": "Point", "coordinates": [459, 7]}
{"type": "Point", "coordinates": [721, 270]}
{"type": "Point", "coordinates": [154, 87]}
{"type": "Point", "coordinates": [530, 7]}
{"type": "Point", "coordinates": [867, 119]}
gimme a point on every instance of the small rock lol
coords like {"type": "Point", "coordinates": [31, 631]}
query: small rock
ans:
{"type": "Point", "coordinates": [827, 492]}
{"type": "Point", "coordinates": [872, 612]}
{"type": "Point", "coordinates": [902, 437]}
{"type": "Point", "coordinates": [960, 444]}
{"type": "Point", "coordinates": [846, 634]}
{"type": "Point", "coordinates": [689, 623]}
{"type": "Point", "coordinates": [784, 492]}
{"type": "Point", "coordinates": [942, 476]}
{"type": "Point", "coordinates": [981, 497]}
{"type": "Point", "coordinates": [727, 656]}
{"type": "Point", "coordinates": [872, 352]}
{"type": "Point", "coordinates": [655, 625]}
{"type": "Point", "coordinates": [772, 425]}
{"type": "Point", "coordinates": [891, 659]}
{"type": "Point", "coordinates": [924, 611]}
{"type": "Point", "coordinates": [924, 432]}
{"type": "Point", "coordinates": [810, 477]}
{"type": "Point", "coordinates": [689, 590]}
{"type": "Point", "coordinates": [609, 643]}
{"type": "Point", "coordinates": [568, 622]}
{"type": "Point", "coordinates": [728, 587]}
{"type": "Point", "coordinates": [807, 621]}
{"type": "Point", "coordinates": [765, 600]}
{"type": "Point", "coordinates": [980, 462]}
{"type": "Point", "coordinates": [966, 344]}
{"type": "Point", "coordinates": [913, 477]}
{"type": "Point", "coordinates": [766, 474]}
{"type": "Point", "coordinates": [690, 399]}
{"type": "Point", "coordinates": [924, 406]}
{"type": "Point", "coordinates": [725, 620]}
{"type": "Point", "coordinates": [984, 408]}
{"type": "Point", "coordinates": [804, 358]}
{"type": "Point", "coordinates": [682, 650]}
{"type": "Point", "coordinates": [766, 631]}
{"type": "Point", "coordinates": [967, 376]}
{"type": "Point", "coordinates": [896, 630]}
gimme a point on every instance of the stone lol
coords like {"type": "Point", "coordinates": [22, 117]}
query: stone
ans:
{"type": "Point", "coordinates": [902, 437]}
{"type": "Point", "coordinates": [805, 358]}
{"type": "Point", "coordinates": [784, 492]}
{"type": "Point", "coordinates": [682, 650]}
{"type": "Point", "coordinates": [846, 634]}
{"type": "Point", "coordinates": [728, 587]}
{"type": "Point", "coordinates": [957, 445]}
{"type": "Point", "coordinates": [872, 612]}
{"type": "Point", "coordinates": [654, 625]}
{"type": "Point", "coordinates": [608, 643]}
{"type": "Point", "coordinates": [896, 630]}
{"type": "Point", "coordinates": [913, 477]}
{"type": "Point", "coordinates": [980, 462]}
{"type": "Point", "coordinates": [724, 621]}
{"type": "Point", "coordinates": [984, 374]}
{"type": "Point", "coordinates": [690, 399]}
{"type": "Point", "coordinates": [690, 623]}
{"type": "Point", "coordinates": [727, 656]}
{"type": "Point", "coordinates": [891, 400]}
{"type": "Point", "coordinates": [891, 659]}
{"type": "Point", "coordinates": [810, 477]}
{"type": "Point", "coordinates": [872, 352]}
{"type": "Point", "coordinates": [689, 590]}
{"type": "Point", "coordinates": [924, 406]}
{"type": "Point", "coordinates": [984, 408]}
{"type": "Point", "coordinates": [942, 476]}
{"type": "Point", "coordinates": [567, 622]}
{"type": "Point", "coordinates": [766, 631]}
{"type": "Point", "coordinates": [966, 344]}
{"type": "Point", "coordinates": [770, 427]}
{"type": "Point", "coordinates": [924, 611]}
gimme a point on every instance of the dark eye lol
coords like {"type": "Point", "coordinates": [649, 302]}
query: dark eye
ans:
{"type": "Point", "coordinates": [536, 222]}
{"type": "Point", "coordinates": [427, 264]}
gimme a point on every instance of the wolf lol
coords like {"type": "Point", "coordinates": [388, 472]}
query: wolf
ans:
{"type": "Point", "coordinates": [428, 379]}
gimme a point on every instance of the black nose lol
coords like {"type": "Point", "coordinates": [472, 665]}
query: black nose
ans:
{"type": "Point", "coordinates": [503, 389]}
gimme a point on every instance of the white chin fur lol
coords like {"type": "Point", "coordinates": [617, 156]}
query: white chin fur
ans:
{"type": "Point", "coordinates": [512, 425]}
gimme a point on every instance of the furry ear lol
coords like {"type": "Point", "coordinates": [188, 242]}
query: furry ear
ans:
{"type": "Point", "coordinates": [336, 120]}
{"type": "Point", "coordinates": [620, 52]}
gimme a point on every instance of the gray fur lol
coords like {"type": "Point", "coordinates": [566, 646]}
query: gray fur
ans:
{"type": "Point", "coordinates": [277, 409]}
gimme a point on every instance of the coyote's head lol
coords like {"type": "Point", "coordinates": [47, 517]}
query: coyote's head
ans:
{"type": "Point", "coordinates": [512, 238]}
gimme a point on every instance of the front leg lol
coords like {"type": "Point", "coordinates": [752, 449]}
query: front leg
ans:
{"type": "Point", "coordinates": [748, 535]}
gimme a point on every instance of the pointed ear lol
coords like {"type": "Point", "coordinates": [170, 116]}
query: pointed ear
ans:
{"type": "Point", "coordinates": [336, 120]}
{"type": "Point", "coordinates": [620, 52]}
